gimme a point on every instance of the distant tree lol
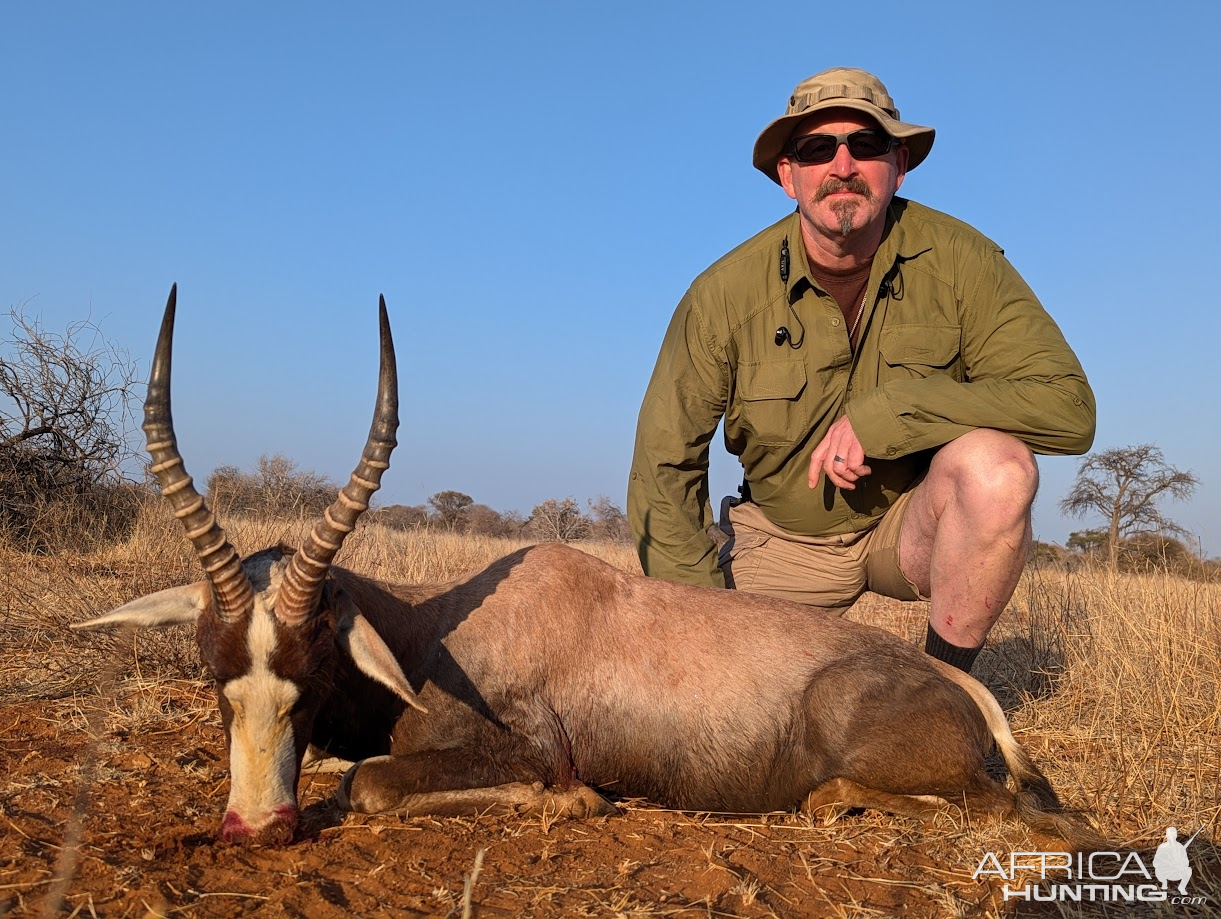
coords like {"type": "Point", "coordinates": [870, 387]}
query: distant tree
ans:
{"type": "Point", "coordinates": [232, 489]}
{"type": "Point", "coordinates": [401, 517]}
{"type": "Point", "coordinates": [608, 522]}
{"type": "Point", "coordinates": [1045, 553]}
{"type": "Point", "coordinates": [448, 507]}
{"type": "Point", "coordinates": [481, 520]}
{"type": "Point", "coordinates": [292, 490]}
{"type": "Point", "coordinates": [1157, 551]}
{"type": "Point", "coordinates": [454, 511]}
{"type": "Point", "coordinates": [1141, 552]}
{"type": "Point", "coordinates": [1123, 485]}
{"type": "Point", "coordinates": [1087, 542]}
{"type": "Point", "coordinates": [559, 521]}
{"type": "Point", "coordinates": [67, 437]}
{"type": "Point", "coordinates": [515, 522]}
{"type": "Point", "coordinates": [276, 486]}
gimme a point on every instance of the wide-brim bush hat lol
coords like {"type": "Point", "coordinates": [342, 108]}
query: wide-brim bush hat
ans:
{"type": "Point", "coordinates": [840, 87]}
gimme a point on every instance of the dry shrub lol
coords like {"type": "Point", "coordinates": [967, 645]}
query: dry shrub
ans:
{"type": "Point", "coordinates": [66, 401]}
{"type": "Point", "coordinates": [41, 593]}
{"type": "Point", "coordinates": [274, 488]}
{"type": "Point", "coordinates": [75, 517]}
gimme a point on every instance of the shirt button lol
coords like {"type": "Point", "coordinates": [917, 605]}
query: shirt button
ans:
{"type": "Point", "coordinates": [891, 451]}
{"type": "Point", "coordinates": [835, 322]}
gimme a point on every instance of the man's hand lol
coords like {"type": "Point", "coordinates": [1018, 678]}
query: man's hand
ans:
{"type": "Point", "coordinates": [840, 456]}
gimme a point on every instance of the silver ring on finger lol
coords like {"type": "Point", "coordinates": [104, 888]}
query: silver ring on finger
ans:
{"type": "Point", "coordinates": [838, 459]}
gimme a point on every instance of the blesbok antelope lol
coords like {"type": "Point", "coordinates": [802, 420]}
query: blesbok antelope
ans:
{"type": "Point", "coordinates": [549, 674]}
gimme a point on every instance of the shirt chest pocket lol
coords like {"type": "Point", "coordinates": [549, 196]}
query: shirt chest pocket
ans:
{"type": "Point", "coordinates": [917, 351]}
{"type": "Point", "coordinates": [769, 397]}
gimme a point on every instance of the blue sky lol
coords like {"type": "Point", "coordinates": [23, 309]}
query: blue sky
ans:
{"type": "Point", "coordinates": [533, 186]}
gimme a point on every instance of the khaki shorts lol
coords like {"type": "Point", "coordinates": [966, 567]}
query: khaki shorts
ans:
{"type": "Point", "coordinates": [827, 571]}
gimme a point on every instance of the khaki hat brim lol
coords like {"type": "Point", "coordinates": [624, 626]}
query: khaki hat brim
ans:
{"type": "Point", "coordinates": [775, 137]}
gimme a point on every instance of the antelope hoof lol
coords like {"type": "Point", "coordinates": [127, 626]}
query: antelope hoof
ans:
{"type": "Point", "coordinates": [588, 803]}
{"type": "Point", "coordinates": [828, 814]}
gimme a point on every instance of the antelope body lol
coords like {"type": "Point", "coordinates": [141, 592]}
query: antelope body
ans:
{"type": "Point", "coordinates": [549, 674]}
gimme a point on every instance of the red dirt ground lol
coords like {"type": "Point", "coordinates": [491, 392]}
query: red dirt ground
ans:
{"type": "Point", "coordinates": [150, 798]}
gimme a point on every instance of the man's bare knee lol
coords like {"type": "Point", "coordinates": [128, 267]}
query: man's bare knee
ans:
{"type": "Point", "coordinates": [990, 470]}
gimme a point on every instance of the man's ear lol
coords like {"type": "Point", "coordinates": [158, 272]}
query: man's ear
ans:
{"type": "Point", "coordinates": [164, 608]}
{"type": "Point", "coordinates": [903, 155]}
{"type": "Point", "coordinates": [784, 169]}
{"type": "Point", "coordinates": [369, 652]}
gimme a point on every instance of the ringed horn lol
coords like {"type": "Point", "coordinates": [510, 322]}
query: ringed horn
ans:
{"type": "Point", "coordinates": [234, 594]}
{"type": "Point", "coordinates": [302, 584]}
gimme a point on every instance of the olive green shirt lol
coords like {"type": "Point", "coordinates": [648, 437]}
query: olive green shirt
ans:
{"type": "Point", "coordinates": [951, 339]}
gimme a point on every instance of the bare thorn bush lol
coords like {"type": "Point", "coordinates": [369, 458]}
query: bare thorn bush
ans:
{"type": "Point", "coordinates": [67, 444]}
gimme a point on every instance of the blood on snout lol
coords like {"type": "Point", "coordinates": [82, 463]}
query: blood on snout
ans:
{"type": "Point", "coordinates": [277, 831]}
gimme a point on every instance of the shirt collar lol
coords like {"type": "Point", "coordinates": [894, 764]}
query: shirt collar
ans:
{"type": "Point", "coordinates": [891, 250]}
{"type": "Point", "coordinates": [799, 267]}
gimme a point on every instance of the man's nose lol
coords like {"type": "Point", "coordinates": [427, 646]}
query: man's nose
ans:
{"type": "Point", "coordinates": [843, 164]}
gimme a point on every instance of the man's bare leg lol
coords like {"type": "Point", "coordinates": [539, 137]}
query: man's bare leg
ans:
{"type": "Point", "coordinates": [966, 533]}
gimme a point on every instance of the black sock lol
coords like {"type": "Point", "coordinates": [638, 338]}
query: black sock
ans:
{"type": "Point", "coordinates": [938, 647]}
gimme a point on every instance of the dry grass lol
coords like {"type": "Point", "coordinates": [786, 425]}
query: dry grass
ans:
{"type": "Point", "coordinates": [1111, 682]}
{"type": "Point", "coordinates": [41, 594]}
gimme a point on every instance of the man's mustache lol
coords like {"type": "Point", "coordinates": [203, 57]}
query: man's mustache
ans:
{"type": "Point", "coordinates": [832, 186]}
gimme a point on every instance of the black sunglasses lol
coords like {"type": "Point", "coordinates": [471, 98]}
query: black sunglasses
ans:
{"type": "Point", "coordinates": [821, 148]}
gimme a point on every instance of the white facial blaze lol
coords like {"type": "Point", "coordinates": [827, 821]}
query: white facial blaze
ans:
{"type": "Point", "coordinates": [262, 754]}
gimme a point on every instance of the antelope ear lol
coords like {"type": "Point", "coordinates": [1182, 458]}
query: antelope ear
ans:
{"type": "Point", "coordinates": [165, 607]}
{"type": "Point", "coordinates": [370, 654]}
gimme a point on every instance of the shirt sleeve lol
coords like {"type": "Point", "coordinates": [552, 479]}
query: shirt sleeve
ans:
{"type": "Point", "coordinates": [1020, 377]}
{"type": "Point", "coordinates": [667, 501]}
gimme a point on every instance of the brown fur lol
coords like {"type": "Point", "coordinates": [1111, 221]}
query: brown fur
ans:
{"type": "Point", "coordinates": [551, 666]}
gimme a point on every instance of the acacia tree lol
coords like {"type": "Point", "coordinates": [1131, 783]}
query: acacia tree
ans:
{"type": "Point", "coordinates": [448, 506]}
{"type": "Point", "coordinates": [559, 521]}
{"type": "Point", "coordinates": [66, 426]}
{"type": "Point", "coordinates": [1123, 485]}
